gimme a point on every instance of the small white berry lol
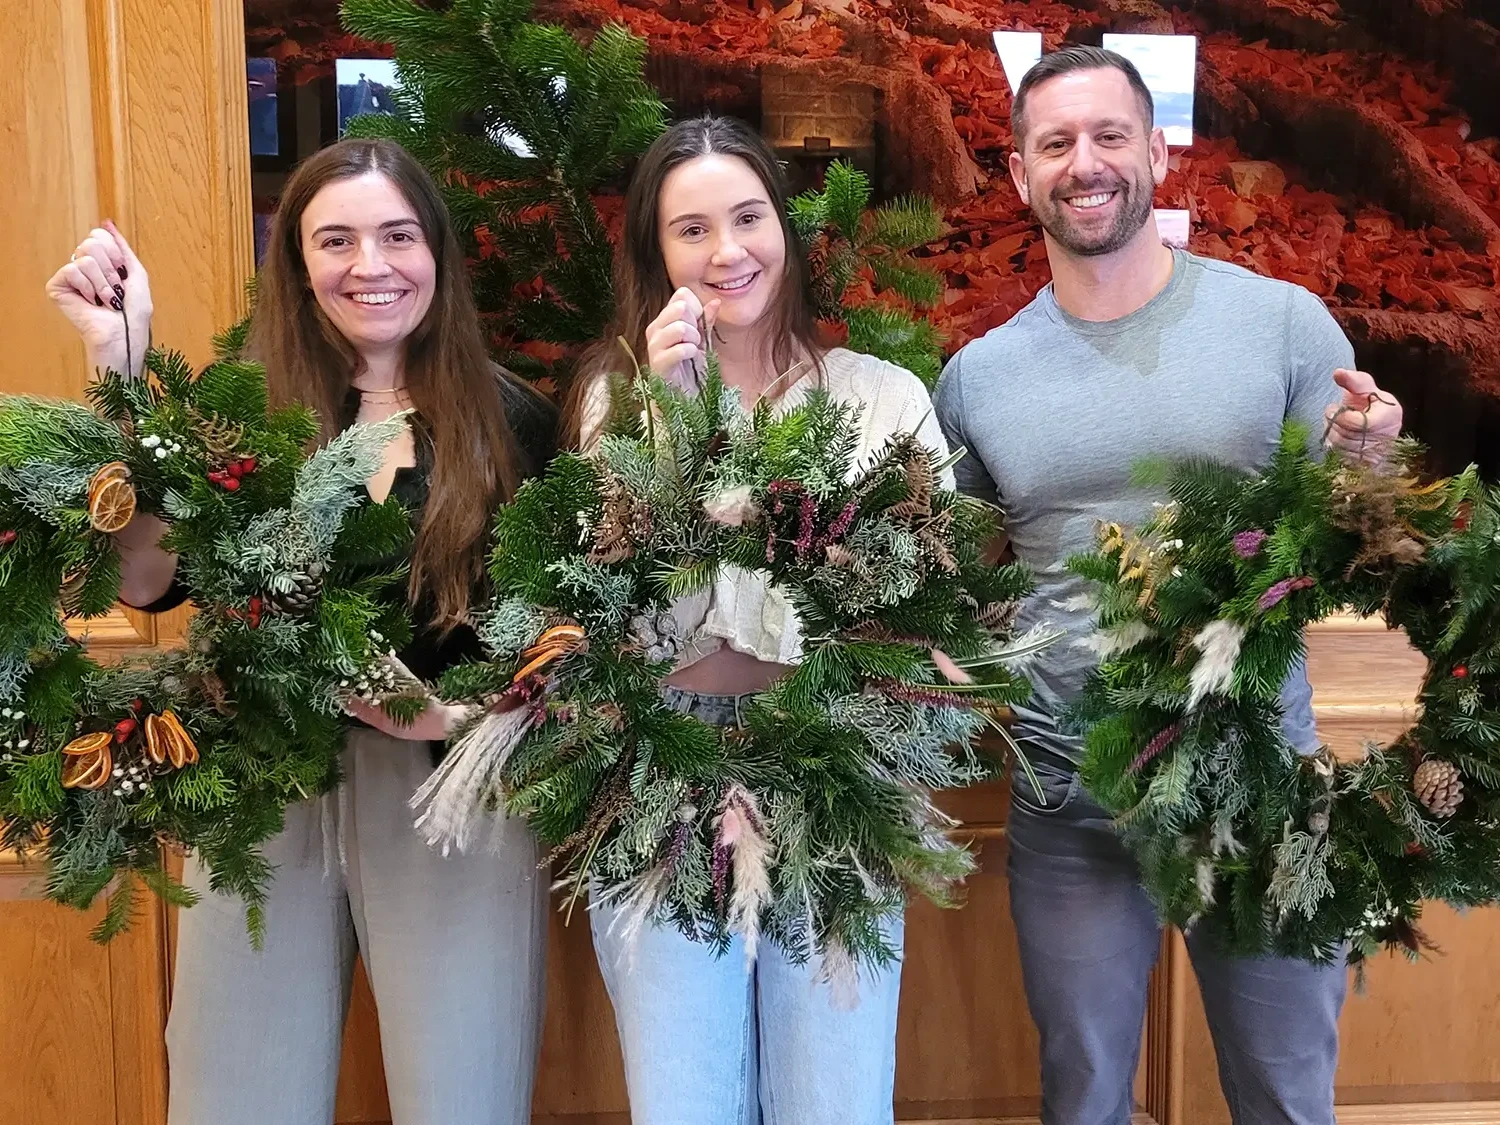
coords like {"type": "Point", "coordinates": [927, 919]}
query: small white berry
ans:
{"type": "Point", "coordinates": [4, 757]}
{"type": "Point", "coordinates": [117, 772]}
{"type": "Point", "coordinates": [18, 715]}
{"type": "Point", "coordinates": [25, 742]}
{"type": "Point", "coordinates": [176, 447]}
{"type": "Point", "coordinates": [128, 786]}
{"type": "Point", "coordinates": [150, 441]}
{"type": "Point", "coordinates": [161, 454]}
{"type": "Point", "coordinates": [6, 713]}
{"type": "Point", "coordinates": [116, 793]}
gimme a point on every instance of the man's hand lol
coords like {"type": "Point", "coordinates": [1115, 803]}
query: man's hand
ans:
{"type": "Point", "coordinates": [1364, 424]}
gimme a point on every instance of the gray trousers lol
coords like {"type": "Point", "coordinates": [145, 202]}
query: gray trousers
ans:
{"type": "Point", "coordinates": [454, 948]}
{"type": "Point", "coordinates": [1089, 938]}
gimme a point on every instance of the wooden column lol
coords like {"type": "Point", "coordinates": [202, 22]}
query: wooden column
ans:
{"type": "Point", "coordinates": [132, 110]}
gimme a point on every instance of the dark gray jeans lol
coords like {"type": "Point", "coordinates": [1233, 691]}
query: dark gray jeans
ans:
{"type": "Point", "coordinates": [1089, 939]}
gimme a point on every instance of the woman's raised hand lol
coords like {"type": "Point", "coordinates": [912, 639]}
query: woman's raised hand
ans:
{"type": "Point", "coordinates": [97, 289]}
{"type": "Point", "coordinates": [676, 341]}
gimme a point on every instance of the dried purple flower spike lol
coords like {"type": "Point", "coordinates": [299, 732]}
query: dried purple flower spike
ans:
{"type": "Point", "coordinates": [1247, 543]}
{"type": "Point", "coordinates": [1276, 593]}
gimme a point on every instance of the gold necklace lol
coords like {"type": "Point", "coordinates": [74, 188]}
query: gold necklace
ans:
{"type": "Point", "coordinates": [382, 397]}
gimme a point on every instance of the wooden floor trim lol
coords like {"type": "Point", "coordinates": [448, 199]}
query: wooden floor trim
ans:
{"type": "Point", "coordinates": [1415, 1113]}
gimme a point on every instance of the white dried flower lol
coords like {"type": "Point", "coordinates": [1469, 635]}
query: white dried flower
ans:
{"type": "Point", "coordinates": [1219, 641]}
{"type": "Point", "coordinates": [733, 507]}
{"type": "Point", "coordinates": [1109, 643]}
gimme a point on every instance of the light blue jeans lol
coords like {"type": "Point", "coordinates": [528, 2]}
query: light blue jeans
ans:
{"type": "Point", "coordinates": [710, 1041]}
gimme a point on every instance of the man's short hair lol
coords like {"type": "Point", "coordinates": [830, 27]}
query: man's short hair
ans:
{"type": "Point", "coordinates": [1066, 61]}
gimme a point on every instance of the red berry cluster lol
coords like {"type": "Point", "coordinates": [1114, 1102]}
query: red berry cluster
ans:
{"type": "Point", "coordinates": [228, 478]}
{"type": "Point", "coordinates": [252, 615]}
{"type": "Point", "coordinates": [7, 536]}
{"type": "Point", "coordinates": [128, 726]}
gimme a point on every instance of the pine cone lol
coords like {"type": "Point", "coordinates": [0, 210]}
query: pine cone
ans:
{"type": "Point", "coordinates": [1439, 786]}
{"type": "Point", "coordinates": [301, 598]}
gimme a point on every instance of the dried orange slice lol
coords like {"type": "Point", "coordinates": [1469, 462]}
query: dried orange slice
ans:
{"type": "Point", "coordinates": [87, 744]}
{"type": "Point", "coordinates": [115, 470]}
{"type": "Point", "coordinates": [89, 761]}
{"type": "Point", "coordinates": [168, 741]}
{"type": "Point", "coordinates": [111, 498]}
{"type": "Point", "coordinates": [181, 750]}
{"type": "Point", "coordinates": [553, 644]}
{"type": "Point", "coordinates": [157, 740]}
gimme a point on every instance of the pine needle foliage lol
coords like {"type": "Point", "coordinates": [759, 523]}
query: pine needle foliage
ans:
{"type": "Point", "coordinates": [847, 240]}
{"type": "Point", "coordinates": [520, 123]}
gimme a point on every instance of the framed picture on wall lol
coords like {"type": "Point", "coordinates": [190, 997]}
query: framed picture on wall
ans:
{"type": "Point", "coordinates": [1169, 67]}
{"type": "Point", "coordinates": [273, 116]}
{"type": "Point", "coordinates": [364, 87]}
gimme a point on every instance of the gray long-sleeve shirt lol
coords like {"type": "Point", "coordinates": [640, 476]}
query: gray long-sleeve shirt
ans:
{"type": "Point", "coordinates": [1055, 412]}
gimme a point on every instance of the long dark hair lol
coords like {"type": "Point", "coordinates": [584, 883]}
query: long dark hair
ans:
{"type": "Point", "coordinates": [449, 376]}
{"type": "Point", "coordinates": [641, 285]}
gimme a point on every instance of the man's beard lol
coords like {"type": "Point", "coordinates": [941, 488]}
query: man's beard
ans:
{"type": "Point", "coordinates": [1133, 210]}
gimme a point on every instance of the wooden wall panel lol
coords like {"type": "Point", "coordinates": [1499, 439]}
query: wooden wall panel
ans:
{"type": "Point", "coordinates": [60, 1061]}
{"type": "Point", "coordinates": [47, 160]}
{"type": "Point", "coordinates": [132, 110]}
{"type": "Point", "coordinates": [1418, 1037]}
{"type": "Point", "coordinates": [361, 1096]}
{"type": "Point", "coordinates": [580, 1075]}
{"type": "Point", "coordinates": [965, 1044]}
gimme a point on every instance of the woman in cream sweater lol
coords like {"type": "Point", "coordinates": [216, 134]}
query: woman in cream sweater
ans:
{"type": "Point", "coordinates": [708, 250]}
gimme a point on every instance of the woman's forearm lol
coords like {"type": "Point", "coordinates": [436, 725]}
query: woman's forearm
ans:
{"type": "Point", "coordinates": [146, 570]}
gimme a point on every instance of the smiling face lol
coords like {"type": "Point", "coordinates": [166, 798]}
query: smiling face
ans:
{"type": "Point", "coordinates": [368, 262]}
{"type": "Point", "coordinates": [720, 237]}
{"type": "Point", "coordinates": [1090, 166]}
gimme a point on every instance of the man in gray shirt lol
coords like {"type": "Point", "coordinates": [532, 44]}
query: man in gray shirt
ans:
{"type": "Point", "coordinates": [1134, 350]}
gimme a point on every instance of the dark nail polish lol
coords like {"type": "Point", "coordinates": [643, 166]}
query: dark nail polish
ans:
{"type": "Point", "coordinates": [120, 291]}
{"type": "Point", "coordinates": [116, 304]}
{"type": "Point", "coordinates": [122, 273]}
{"type": "Point", "coordinates": [99, 302]}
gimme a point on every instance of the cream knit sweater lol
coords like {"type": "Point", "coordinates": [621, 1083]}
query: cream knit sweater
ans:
{"type": "Point", "coordinates": [740, 610]}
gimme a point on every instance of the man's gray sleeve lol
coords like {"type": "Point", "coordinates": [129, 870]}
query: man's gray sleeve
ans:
{"type": "Point", "coordinates": [1316, 348]}
{"type": "Point", "coordinates": [948, 400]}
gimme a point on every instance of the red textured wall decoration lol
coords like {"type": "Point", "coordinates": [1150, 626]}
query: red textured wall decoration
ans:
{"type": "Point", "coordinates": [1348, 146]}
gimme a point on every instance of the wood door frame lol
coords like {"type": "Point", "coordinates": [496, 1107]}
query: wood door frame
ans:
{"type": "Point", "coordinates": [151, 100]}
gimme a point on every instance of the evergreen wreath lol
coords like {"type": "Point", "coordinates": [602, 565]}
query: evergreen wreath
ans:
{"type": "Point", "coordinates": [1201, 615]}
{"type": "Point", "coordinates": [807, 823]}
{"type": "Point", "coordinates": [287, 561]}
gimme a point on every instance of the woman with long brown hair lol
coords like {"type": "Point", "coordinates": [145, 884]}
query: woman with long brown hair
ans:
{"type": "Point", "coordinates": [709, 259]}
{"type": "Point", "coordinates": [363, 310]}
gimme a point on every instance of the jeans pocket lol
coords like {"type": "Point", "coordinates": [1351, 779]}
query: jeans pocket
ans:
{"type": "Point", "coordinates": [1052, 790]}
